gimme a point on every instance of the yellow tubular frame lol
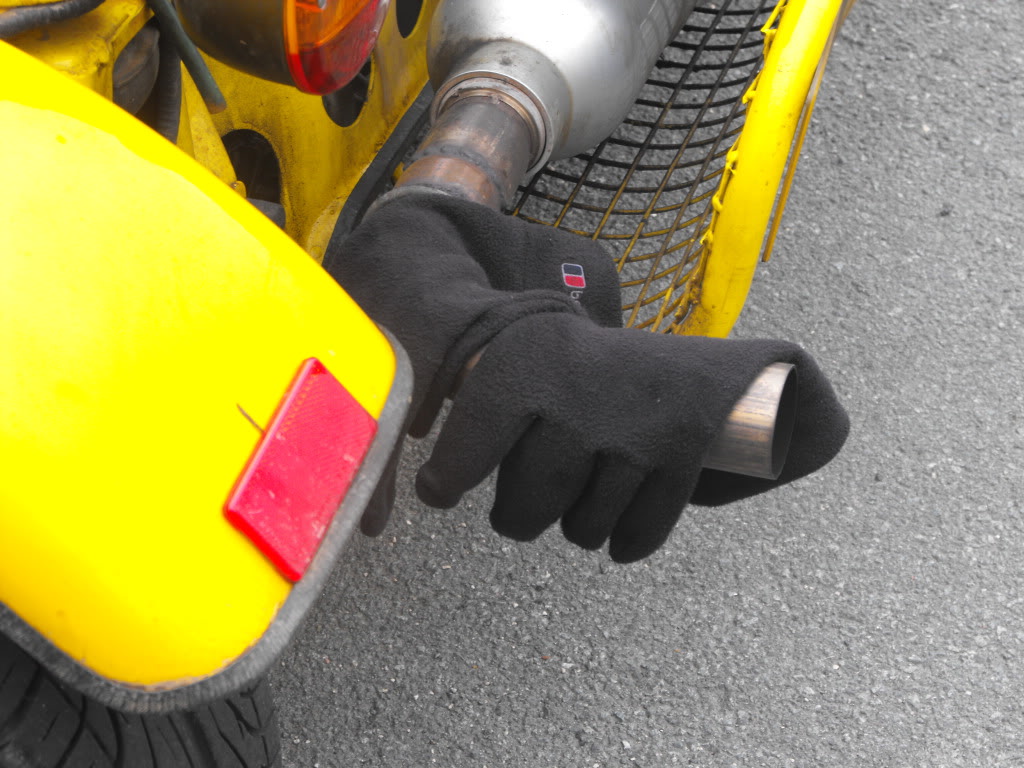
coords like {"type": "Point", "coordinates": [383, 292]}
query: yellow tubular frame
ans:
{"type": "Point", "coordinates": [760, 166]}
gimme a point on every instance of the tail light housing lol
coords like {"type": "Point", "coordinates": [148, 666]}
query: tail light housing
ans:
{"type": "Point", "coordinates": [316, 45]}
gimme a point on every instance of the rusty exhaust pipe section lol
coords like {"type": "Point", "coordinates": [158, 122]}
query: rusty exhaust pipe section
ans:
{"type": "Point", "coordinates": [503, 109]}
{"type": "Point", "coordinates": [477, 149]}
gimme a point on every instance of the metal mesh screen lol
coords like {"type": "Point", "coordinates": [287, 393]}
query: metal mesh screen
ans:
{"type": "Point", "coordinates": [646, 191]}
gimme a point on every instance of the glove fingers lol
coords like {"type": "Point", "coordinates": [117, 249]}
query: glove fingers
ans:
{"type": "Point", "coordinates": [538, 481]}
{"type": "Point", "coordinates": [591, 520]}
{"type": "Point", "coordinates": [479, 431]}
{"type": "Point", "coordinates": [423, 419]}
{"type": "Point", "coordinates": [378, 510]}
{"type": "Point", "coordinates": [651, 515]}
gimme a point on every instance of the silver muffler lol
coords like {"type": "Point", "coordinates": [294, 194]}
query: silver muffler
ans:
{"type": "Point", "coordinates": [519, 84]}
{"type": "Point", "coordinates": [574, 66]}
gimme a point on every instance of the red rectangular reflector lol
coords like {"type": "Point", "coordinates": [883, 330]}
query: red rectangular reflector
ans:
{"type": "Point", "coordinates": [301, 470]}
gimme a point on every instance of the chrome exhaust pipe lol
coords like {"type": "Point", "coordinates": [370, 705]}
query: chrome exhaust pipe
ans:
{"type": "Point", "coordinates": [755, 437]}
{"type": "Point", "coordinates": [518, 84]}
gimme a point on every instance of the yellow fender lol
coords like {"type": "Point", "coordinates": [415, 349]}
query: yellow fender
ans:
{"type": "Point", "coordinates": [150, 323]}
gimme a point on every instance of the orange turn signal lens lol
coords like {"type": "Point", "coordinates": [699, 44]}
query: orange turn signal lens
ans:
{"type": "Point", "coordinates": [327, 42]}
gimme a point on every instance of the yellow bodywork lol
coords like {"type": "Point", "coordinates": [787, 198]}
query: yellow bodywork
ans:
{"type": "Point", "coordinates": [759, 167]}
{"type": "Point", "coordinates": [147, 313]}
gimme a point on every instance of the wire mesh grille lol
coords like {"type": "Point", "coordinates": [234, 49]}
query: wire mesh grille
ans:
{"type": "Point", "coordinates": [647, 190]}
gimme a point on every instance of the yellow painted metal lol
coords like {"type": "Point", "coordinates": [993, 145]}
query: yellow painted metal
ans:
{"type": "Point", "coordinates": [198, 136]}
{"type": "Point", "coordinates": [779, 103]}
{"type": "Point", "coordinates": [145, 307]}
{"type": "Point", "coordinates": [320, 160]}
{"type": "Point", "coordinates": [85, 48]}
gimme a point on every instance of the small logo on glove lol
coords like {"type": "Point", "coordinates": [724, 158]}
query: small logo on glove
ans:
{"type": "Point", "coordinates": [573, 277]}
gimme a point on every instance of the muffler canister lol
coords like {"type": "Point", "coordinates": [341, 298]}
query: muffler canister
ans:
{"type": "Point", "coordinates": [576, 65]}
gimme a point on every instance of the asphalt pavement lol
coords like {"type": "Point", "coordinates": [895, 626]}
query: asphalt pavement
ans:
{"type": "Point", "coordinates": [870, 615]}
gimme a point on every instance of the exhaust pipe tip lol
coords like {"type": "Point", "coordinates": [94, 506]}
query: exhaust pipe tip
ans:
{"type": "Point", "coordinates": [755, 438]}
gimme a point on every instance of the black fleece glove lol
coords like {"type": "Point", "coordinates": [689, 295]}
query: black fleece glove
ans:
{"type": "Point", "coordinates": [445, 275]}
{"type": "Point", "coordinates": [606, 429]}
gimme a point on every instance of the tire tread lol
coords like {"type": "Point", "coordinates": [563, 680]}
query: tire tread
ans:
{"type": "Point", "coordinates": [45, 724]}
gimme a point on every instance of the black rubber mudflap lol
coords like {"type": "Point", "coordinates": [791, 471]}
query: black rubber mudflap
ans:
{"type": "Point", "coordinates": [43, 724]}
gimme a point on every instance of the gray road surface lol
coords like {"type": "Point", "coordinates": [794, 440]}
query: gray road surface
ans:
{"type": "Point", "coordinates": [872, 615]}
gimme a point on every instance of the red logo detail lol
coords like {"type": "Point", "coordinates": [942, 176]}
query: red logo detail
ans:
{"type": "Point", "coordinates": [573, 277]}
